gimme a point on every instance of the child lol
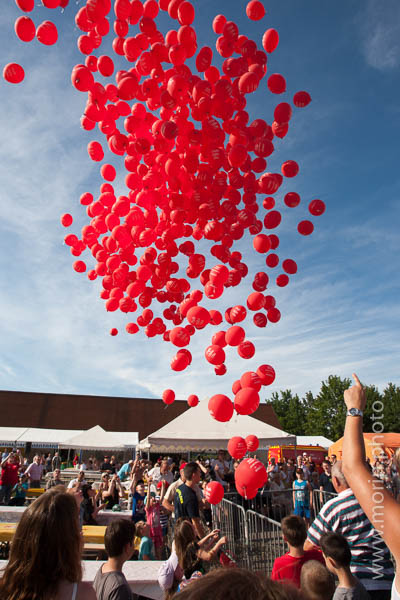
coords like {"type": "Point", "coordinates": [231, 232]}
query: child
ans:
{"type": "Point", "coordinates": [288, 567]}
{"type": "Point", "coordinates": [302, 496]}
{"type": "Point", "coordinates": [19, 490]}
{"type": "Point", "coordinates": [153, 511]}
{"type": "Point", "coordinates": [110, 582]}
{"type": "Point", "coordinates": [316, 582]}
{"type": "Point", "coordinates": [337, 556]}
{"type": "Point", "coordinates": [146, 549]}
{"type": "Point", "coordinates": [138, 498]}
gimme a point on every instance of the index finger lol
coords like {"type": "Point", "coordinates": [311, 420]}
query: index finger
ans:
{"type": "Point", "coordinates": [358, 382]}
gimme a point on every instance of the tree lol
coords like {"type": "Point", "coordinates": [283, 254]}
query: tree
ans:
{"type": "Point", "coordinates": [290, 411]}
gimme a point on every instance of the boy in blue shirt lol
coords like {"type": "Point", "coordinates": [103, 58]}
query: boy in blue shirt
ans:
{"type": "Point", "coordinates": [19, 490]}
{"type": "Point", "coordinates": [302, 497]}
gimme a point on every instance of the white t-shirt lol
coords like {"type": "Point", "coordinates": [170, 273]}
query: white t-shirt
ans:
{"type": "Point", "coordinates": [73, 482]}
{"type": "Point", "coordinates": [156, 475]}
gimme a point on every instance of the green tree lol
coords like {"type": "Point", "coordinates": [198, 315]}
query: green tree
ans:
{"type": "Point", "coordinates": [391, 404]}
{"type": "Point", "coordinates": [326, 411]}
{"type": "Point", "coordinates": [290, 411]}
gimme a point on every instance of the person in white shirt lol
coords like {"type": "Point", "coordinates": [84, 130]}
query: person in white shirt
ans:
{"type": "Point", "coordinates": [78, 480]}
{"type": "Point", "coordinates": [221, 468]}
{"type": "Point", "coordinates": [161, 473]}
{"type": "Point", "coordinates": [35, 472]}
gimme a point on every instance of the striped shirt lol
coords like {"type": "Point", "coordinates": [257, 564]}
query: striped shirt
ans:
{"type": "Point", "coordinates": [370, 557]}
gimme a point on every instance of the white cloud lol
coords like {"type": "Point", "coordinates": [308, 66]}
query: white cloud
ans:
{"type": "Point", "coordinates": [380, 30]}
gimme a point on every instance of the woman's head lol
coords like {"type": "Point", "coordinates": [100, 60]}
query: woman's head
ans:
{"type": "Point", "coordinates": [46, 548]}
{"type": "Point", "coordinates": [235, 584]}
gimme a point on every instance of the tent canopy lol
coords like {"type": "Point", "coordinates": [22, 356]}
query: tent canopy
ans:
{"type": "Point", "coordinates": [45, 438]}
{"type": "Point", "coordinates": [195, 429]}
{"type": "Point", "coordinates": [10, 435]}
{"type": "Point", "coordinates": [374, 443]}
{"type": "Point", "coordinates": [97, 438]}
{"type": "Point", "coordinates": [314, 440]}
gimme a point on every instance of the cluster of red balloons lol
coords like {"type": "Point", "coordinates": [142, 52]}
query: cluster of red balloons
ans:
{"type": "Point", "coordinates": [195, 165]}
{"type": "Point", "coordinates": [250, 475]}
{"type": "Point", "coordinates": [238, 446]}
{"type": "Point", "coordinates": [26, 30]}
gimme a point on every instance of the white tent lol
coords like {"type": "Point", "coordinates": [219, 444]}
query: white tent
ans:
{"type": "Point", "coordinates": [313, 440]}
{"type": "Point", "coordinates": [196, 430]}
{"type": "Point", "coordinates": [97, 438]}
{"type": "Point", "coordinates": [46, 438]}
{"type": "Point", "coordinates": [10, 435]}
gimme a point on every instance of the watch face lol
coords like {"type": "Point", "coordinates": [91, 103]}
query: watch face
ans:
{"type": "Point", "coordinates": [355, 412]}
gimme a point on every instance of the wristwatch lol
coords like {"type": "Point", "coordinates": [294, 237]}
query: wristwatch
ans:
{"type": "Point", "coordinates": [354, 412]}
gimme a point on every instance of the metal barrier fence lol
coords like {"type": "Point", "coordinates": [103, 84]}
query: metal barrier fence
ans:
{"type": "Point", "coordinates": [230, 518]}
{"type": "Point", "coordinates": [320, 498]}
{"type": "Point", "coordinates": [254, 541]}
{"type": "Point", "coordinates": [265, 542]}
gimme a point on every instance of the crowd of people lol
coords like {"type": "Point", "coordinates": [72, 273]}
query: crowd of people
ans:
{"type": "Point", "coordinates": [343, 550]}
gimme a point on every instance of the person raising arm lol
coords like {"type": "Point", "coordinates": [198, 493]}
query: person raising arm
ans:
{"type": "Point", "coordinates": [378, 504]}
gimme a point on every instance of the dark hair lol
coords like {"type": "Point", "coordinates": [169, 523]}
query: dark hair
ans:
{"type": "Point", "coordinates": [189, 470]}
{"type": "Point", "coordinates": [316, 582]}
{"type": "Point", "coordinates": [335, 546]}
{"type": "Point", "coordinates": [85, 488]}
{"type": "Point", "coordinates": [236, 584]}
{"type": "Point", "coordinates": [118, 534]}
{"type": "Point", "coordinates": [46, 548]}
{"type": "Point", "coordinates": [294, 530]}
{"type": "Point", "coordinates": [299, 472]}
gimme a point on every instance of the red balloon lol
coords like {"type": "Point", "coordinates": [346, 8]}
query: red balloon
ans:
{"type": "Point", "coordinates": [273, 315]}
{"type": "Point", "coordinates": [215, 355]}
{"type": "Point", "coordinates": [51, 3]}
{"type": "Point", "coordinates": [193, 400]}
{"type": "Point", "coordinates": [214, 492]}
{"type": "Point", "coordinates": [81, 78]}
{"type": "Point", "coordinates": [234, 335]}
{"type": "Point", "coordinates": [66, 220]}
{"type": "Point", "coordinates": [255, 10]}
{"type": "Point", "coordinates": [237, 314]}
{"type": "Point", "coordinates": [237, 447]}
{"type": "Point", "coordinates": [301, 99]}
{"type": "Point", "coordinates": [218, 339]}
{"type": "Point", "coordinates": [108, 172]}
{"type": "Point", "coordinates": [250, 379]}
{"type": "Point", "coordinates": [47, 33]}
{"type": "Point", "coordinates": [219, 23]}
{"type": "Point", "coordinates": [198, 316]}
{"type": "Point", "coordinates": [250, 475]}
{"type": "Point", "coordinates": [272, 220]}
{"type": "Point", "coordinates": [25, 29]}
{"type": "Point", "coordinates": [95, 151]}
{"type": "Point", "coordinates": [289, 266]}
{"type": "Point", "coordinates": [316, 207]}
{"type": "Point", "coordinates": [79, 266]}
{"type": "Point", "coordinates": [247, 400]}
{"type": "Point", "coordinates": [113, 331]}
{"type": "Point", "coordinates": [220, 369]}
{"type": "Point", "coordinates": [283, 113]}
{"type": "Point", "coordinates": [255, 301]}
{"type": "Point", "coordinates": [168, 396]}
{"type": "Point", "coordinates": [276, 83]}
{"type": "Point", "coordinates": [203, 59]}
{"type": "Point", "coordinates": [252, 443]}
{"type": "Point", "coordinates": [25, 5]}
{"type": "Point", "coordinates": [282, 280]}
{"type": "Point", "coordinates": [292, 199]}
{"type": "Point", "coordinates": [260, 320]}
{"type": "Point", "coordinates": [246, 349]}
{"type": "Point", "coordinates": [220, 408]}
{"type": "Point", "coordinates": [179, 337]}
{"type": "Point", "coordinates": [270, 40]}
{"type": "Point", "coordinates": [13, 73]}
{"type": "Point", "coordinates": [186, 13]}
{"type": "Point", "coordinates": [305, 227]}
{"type": "Point", "coordinates": [105, 66]}
{"type": "Point", "coordinates": [179, 362]}
{"type": "Point", "coordinates": [290, 168]}
{"type": "Point", "coordinates": [261, 243]}
{"type": "Point", "coordinates": [266, 374]}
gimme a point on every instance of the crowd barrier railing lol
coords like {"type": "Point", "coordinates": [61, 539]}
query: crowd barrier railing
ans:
{"type": "Point", "coordinates": [320, 498]}
{"type": "Point", "coordinates": [230, 519]}
{"type": "Point", "coordinates": [265, 542]}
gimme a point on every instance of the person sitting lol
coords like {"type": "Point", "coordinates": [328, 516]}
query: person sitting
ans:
{"type": "Point", "coordinates": [316, 582]}
{"type": "Point", "coordinates": [337, 556]}
{"type": "Point", "coordinates": [45, 556]}
{"type": "Point", "coordinates": [106, 466]}
{"type": "Point", "coordinates": [54, 479]}
{"type": "Point", "coordinates": [187, 556]}
{"type": "Point", "coordinates": [110, 582]}
{"type": "Point", "coordinates": [19, 490]}
{"type": "Point", "coordinates": [236, 584]}
{"type": "Point", "coordinates": [78, 480]}
{"type": "Point", "coordinates": [288, 567]}
{"type": "Point", "coordinates": [125, 470]}
{"type": "Point", "coordinates": [146, 549]}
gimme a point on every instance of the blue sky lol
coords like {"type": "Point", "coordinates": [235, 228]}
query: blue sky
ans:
{"type": "Point", "coordinates": [340, 312]}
